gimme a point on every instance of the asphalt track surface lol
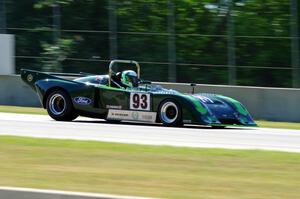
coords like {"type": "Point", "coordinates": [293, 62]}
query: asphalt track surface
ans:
{"type": "Point", "coordinates": [42, 126]}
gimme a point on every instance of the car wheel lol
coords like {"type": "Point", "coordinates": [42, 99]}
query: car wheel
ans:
{"type": "Point", "coordinates": [60, 107]}
{"type": "Point", "coordinates": [170, 113]}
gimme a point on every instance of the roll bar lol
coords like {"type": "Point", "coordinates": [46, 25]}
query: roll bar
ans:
{"type": "Point", "coordinates": [113, 62]}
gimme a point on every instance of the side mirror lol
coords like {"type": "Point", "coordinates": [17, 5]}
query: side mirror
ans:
{"type": "Point", "coordinates": [193, 85]}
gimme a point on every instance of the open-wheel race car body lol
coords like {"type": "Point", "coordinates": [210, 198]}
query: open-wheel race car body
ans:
{"type": "Point", "coordinates": [101, 96]}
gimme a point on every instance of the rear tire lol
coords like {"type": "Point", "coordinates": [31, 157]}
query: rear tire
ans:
{"type": "Point", "coordinates": [60, 107]}
{"type": "Point", "coordinates": [170, 113]}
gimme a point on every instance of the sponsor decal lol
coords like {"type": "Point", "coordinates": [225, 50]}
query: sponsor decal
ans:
{"type": "Point", "coordinates": [205, 99]}
{"type": "Point", "coordinates": [98, 78]}
{"type": "Point", "coordinates": [135, 115]}
{"type": "Point", "coordinates": [29, 78]}
{"type": "Point", "coordinates": [113, 107]}
{"type": "Point", "coordinates": [143, 116]}
{"type": "Point", "coordinates": [82, 100]}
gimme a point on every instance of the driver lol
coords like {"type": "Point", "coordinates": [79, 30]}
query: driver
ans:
{"type": "Point", "coordinates": [129, 79]}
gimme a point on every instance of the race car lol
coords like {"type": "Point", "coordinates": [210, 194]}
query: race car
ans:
{"type": "Point", "coordinates": [124, 96]}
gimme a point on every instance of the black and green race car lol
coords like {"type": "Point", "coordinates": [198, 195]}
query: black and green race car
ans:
{"type": "Point", "coordinates": [101, 96]}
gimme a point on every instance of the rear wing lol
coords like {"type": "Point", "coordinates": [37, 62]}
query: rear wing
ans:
{"type": "Point", "coordinates": [32, 76]}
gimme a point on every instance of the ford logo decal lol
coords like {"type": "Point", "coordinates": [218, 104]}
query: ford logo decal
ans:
{"type": "Point", "coordinates": [83, 100]}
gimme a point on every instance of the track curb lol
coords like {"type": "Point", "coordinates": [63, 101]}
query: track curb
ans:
{"type": "Point", "coordinates": [30, 193]}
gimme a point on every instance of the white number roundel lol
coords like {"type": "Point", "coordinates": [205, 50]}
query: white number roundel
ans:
{"type": "Point", "coordinates": [140, 101]}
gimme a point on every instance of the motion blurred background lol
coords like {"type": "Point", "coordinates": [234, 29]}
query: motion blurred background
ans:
{"type": "Point", "coordinates": [236, 42]}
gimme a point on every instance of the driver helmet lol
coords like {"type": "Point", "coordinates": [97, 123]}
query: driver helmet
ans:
{"type": "Point", "coordinates": [129, 78]}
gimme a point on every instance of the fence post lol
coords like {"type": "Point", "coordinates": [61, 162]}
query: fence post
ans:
{"type": "Point", "coordinates": [2, 17]}
{"type": "Point", "coordinates": [231, 46]}
{"type": "Point", "coordinates": [56, 22]}
{"type": "Point", "coordinates": [57, 32]}
{"type": "Point", "coordinates": [172, 70]}
{"type": "Point", "coordinates": [295, 43]}
{"type": "Point", "coordinates": [112, 23]}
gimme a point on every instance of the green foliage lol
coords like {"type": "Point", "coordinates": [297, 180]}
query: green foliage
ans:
{"type": "Point", "coordinates": [56, 54]}
{"type": "Point", "coordinates": [201, 28]}
{"type": "Point", "coordinates": [49, 3]}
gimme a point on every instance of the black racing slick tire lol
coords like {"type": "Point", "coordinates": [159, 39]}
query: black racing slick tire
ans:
{"type": "Point", "coordinates": [170, 113]}
{"type": "Point", "coordinates": [60, 107]}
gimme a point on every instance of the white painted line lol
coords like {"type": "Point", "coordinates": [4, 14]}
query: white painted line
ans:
{"type": "Point", "coordinates": [26, 193]}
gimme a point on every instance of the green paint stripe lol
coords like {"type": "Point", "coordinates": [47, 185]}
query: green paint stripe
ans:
{"type": "Point", "coordinates": [199, 107]}
{"type": "Point", "coordinates": [110, 88]}
{"type": "Point", "coordinates": [240, 108]}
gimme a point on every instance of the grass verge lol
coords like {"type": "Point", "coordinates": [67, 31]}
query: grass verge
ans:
{"type": "Point", "coordinates": [40, 111]}
{"type": "Point", "coordinates": [153, 171]}
{"type": "Point", "coordinates": [23, 110]}
{"type": "Point", "coordinates": [279, 125]}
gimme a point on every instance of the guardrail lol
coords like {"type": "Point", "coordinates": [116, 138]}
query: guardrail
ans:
{"type": "Point", "coordinates": [26, 193]}
{"type": "Point", "coordinates": [276, 104]}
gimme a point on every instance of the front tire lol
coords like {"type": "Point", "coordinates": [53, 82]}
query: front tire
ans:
{"type": "Point", "coordinates": [170, 113]}
{"type": "Point", "coordinates": [60, 107]}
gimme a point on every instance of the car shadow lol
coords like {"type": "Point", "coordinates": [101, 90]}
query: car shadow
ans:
{"type": "Point", "coordinates": [186, 126]}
